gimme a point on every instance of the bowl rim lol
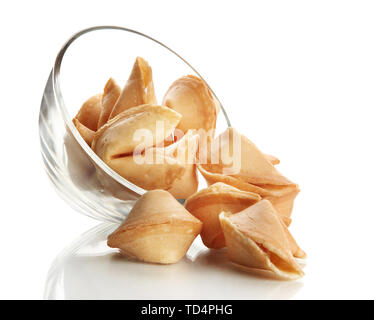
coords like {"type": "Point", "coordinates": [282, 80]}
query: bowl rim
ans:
{"type": "Point", "coordinates": [68, 121]}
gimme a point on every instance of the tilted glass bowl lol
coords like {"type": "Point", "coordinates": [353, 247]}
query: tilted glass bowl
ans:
{"type": "Point", "coordinates": [83, 65]}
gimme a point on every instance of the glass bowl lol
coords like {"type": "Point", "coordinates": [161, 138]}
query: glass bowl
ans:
{"type": "Point", "coordinates": [83, 65]}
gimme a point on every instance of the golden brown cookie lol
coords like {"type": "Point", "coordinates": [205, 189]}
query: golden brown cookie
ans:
{"type": "Point", "coordinates": [138, 90]}
{"type": "Point", "coordinates": [158, 229]}
{"type": "Point", "coordinates": [89, 113]}
{"type": "Point", "coordinates": [191, 97]}
{"type": "Point", "coordinates": [116, 138]}
{"type": "Point", "coordinates": [207, 204]}
{"type": "Point", "coordinates": [110, 96]}
{"type": "Point", "coordinates": [256, 238]}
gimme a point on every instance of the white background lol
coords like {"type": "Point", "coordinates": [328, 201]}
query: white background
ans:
{"type": "Point", "coordinates": [296, 77]}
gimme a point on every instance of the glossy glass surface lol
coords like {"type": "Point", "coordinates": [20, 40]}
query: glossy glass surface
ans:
{"type": "Point", "coordinates": [89, 269]}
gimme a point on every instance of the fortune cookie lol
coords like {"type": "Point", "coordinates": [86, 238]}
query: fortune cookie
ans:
{"type": "Point", "coordinates": [236, 161]}
{"type": "Point", "coordinates": [89, 113]}
{"type": "Point", "coordinates": [138, 90]}
{"type": "Point", "coordinates": [158, 229]}
{"type": "Point", "coordinates": [282, 197]}
{"type": "Point", "coordinates": [207, 204]}
{"type": "Point", "coordinates": [184, 150]}
{"type": "Point", "coordinates": [152, 124]}
{"type": "Point", "coordinates": [86, 133]}
{"type": "Point", "coordinates": [257, 239]}
{"type": "Point", "coordinates": [170, 168]}
{"type": "Point", "coordinates": [148, 173]}
{"type": "Point", "coordinates": [110, 96]}
{"type": "Point", "coordinates": [235, 155]}
{"type": "Point", "coordinates": [191, 97]}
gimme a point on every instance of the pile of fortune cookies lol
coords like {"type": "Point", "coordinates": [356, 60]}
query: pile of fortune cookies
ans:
{"type": "Point", "coordinates": [247, 211]}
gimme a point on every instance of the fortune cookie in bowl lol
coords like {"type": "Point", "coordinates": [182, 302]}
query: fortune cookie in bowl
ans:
{"type": "Point", "coordinates": [152, 124]}
{"type": "Point", "coordinates": [191, 97]}
{"type": "Point", "coordinates": [110, 96]}
{"type": "Point", "coordinates": [158, 229]}
{"type": "Point", "coordinates": [170, 168]}
{"type": "Point", "coordinates": [207, 204]}
{"type": "Point", "coordinates": [184, 151]}
{"type": "Point", "coordinates": [87, 118]}
{"type": "Point", "coordinates": [138, 90]}
{"type": "Point", "coordinates": [257, 239]}
{"type": "Point", "coordinates": [88, 115]}
{"type": "Point", "coordinates": [146, 173]}
{"type": "Point", "coordinates": [86, 133]}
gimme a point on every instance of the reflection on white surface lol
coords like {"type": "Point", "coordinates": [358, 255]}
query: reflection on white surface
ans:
{"type": "Point", "coordinates": [88, 269]}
